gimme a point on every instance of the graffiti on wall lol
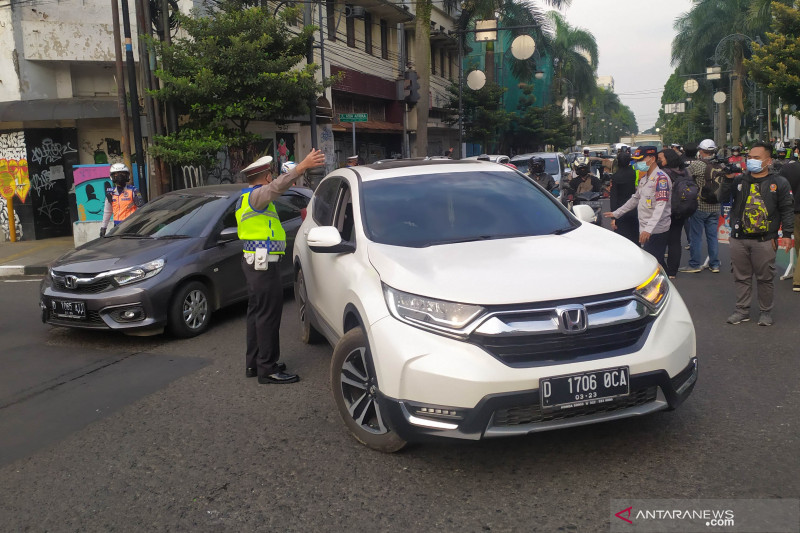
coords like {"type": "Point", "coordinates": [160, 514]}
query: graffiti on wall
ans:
{"type": "Point", "coordinates": [91, 182]}
{"type": "Point", "coordinates": [13, 176]}
{"type": "Point", "coordinates": [108, 150]}
{"type": "Point", "coordinates": [51, 155]}
{"type": "Point", "coordinates": [230, 163]}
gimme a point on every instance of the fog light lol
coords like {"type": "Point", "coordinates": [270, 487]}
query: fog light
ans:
{"type": "Point", "coordinates": [128, 314]}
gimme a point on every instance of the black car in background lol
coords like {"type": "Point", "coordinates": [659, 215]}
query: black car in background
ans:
{"type": "Point", "coordinates": [170, 264]}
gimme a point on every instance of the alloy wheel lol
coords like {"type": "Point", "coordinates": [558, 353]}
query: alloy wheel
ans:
{"type": "Point", "coordinates": [195, 309]}
{"type": "Point", "coordinates": [359, 391]}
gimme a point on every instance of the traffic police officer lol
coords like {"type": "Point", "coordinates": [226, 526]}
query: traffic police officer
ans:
{"type": "Point", "coordinates": [122, 200]}
{"type": "Point", "coordinates": [264, 241]}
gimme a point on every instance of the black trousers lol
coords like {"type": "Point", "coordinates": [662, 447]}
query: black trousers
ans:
{"type": "Point", "coordinates": [628, 226]}
{"type": "Point", "coordinates": [675, 246]}
{"type": "Point", "coordinates": [264, 309]}
{"type": "Point", "coordinates": [656, 245]}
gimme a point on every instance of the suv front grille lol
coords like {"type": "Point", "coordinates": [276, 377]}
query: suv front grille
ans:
{"type": "Point", "coordinates": [530, 414]}
{"type": "Point", "coordinates": [557, 347]}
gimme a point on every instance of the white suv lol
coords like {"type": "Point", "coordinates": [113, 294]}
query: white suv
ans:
{"type": "Point", "coordinates": [463, 301]}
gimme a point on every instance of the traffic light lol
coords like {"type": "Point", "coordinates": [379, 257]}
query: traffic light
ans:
{"type": "Point", "coordinates": [411, 87]}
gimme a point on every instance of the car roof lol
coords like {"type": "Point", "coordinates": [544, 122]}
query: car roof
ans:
{"type": "Point", "coordinates": [543, 155]}
{"type": "Point", "coordinates": [227, 190]}
{"type": "Point", "coordinates": [401, 167]}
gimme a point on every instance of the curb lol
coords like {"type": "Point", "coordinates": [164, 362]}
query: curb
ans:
{"type": "Point", "coordinates": [22, 270]}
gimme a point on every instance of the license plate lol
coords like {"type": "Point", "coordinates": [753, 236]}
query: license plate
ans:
{"type": "Point", "coordinates": [588, 388]}
{"type": "Point", "coordinates": [65, 309]}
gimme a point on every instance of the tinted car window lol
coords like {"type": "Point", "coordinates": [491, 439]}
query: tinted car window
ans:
{"type": "Point", "coordinates": [551, 165]}
{"type": "Point", "coordinates": [426, 210]}
{"type": "Point", "coordinates": [325, 200]}
{"type": "Point", "coordinates": [286, 211]}
{"type": "Point", "coordinates": [298, 200]}
{"type": "Point", "coordinates": [172, 215]}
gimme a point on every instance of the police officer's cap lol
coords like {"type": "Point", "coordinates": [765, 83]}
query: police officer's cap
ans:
{"type": "Point", "coordinates": [259, 165]}
{"type": "Point", "coordinates": [644, 151]}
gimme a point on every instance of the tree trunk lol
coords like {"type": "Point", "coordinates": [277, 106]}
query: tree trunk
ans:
{"type": "Point", "coordinates": [422, 63]}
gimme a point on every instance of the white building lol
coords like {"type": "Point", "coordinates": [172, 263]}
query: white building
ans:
{"type": "Point", "coordinates": [606, 82]}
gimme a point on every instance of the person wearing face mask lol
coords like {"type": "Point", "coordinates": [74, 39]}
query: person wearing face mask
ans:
{"type": "Point", "coordinates": [762, 204]}
{"type": "Point", "coordinates": [652, 198]}
{"type": "Point", "coordinates": [705, 220]}
{"type": "Point", "coordinates": [121, 199]}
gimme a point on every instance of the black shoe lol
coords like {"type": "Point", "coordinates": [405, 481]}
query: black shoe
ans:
{"type": "Point", "coordinates": [253, 372]}
{"type": "Point", "coordinates": [279, 378]}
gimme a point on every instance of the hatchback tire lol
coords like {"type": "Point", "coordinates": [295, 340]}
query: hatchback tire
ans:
{"type": "Point", "coordinates": [190, 310]}
{"type": "Point", "coordinates": [308, 334]}
{"type": "Point", "coordinates": [355, 389]}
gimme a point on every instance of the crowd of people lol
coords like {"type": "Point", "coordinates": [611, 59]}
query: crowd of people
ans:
{"type": "Point", "coordinates": [683, 189]}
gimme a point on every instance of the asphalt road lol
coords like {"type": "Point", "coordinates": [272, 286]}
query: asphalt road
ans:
{"type": "Point", "coordinates": [101, 432]}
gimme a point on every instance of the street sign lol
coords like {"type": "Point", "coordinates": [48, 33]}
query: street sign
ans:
{"type": "Point", "coordinates": [675, 108]}
{"type": "Point", "coordinates": [352, 117]}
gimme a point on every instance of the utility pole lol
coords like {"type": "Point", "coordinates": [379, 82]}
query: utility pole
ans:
{"type": "Point", "coordinates": [308, 19]}
{"type": "Point", "coordinates": [144, 64]}
{"type": "Point", "coordinates": [134, 98]}
{"type": "Point", "coordinates": [123, 108]}
{"type": "Point", "coordinates": [172, 117]}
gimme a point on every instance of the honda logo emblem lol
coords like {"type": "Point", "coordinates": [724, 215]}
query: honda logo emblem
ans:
{"type": "Point", "coordinates": [70, 282]}
{"type": "Point", "coordinates": [572, 318]}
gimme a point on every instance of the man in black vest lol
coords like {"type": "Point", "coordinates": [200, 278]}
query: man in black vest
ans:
{"type": "Point", "coordinates": [762, 203]}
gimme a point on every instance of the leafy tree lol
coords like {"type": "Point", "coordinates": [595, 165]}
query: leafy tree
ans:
{"type": "Point", "coordinates": [776, 64]}
{"type": "Point", "coordinates": [238, 63]}
{"type": "Point", "coordinates": [533, 128]}
{"type": "Point", "coordinates": [606, 118]}
{"type": "Point", "coordinates": [574, 52]}
{"type": "Point", "coordinates": [484, 115]}
{"type": "Point", "coordinates": [691, 126]}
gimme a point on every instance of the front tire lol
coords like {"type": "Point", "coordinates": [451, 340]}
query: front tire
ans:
{"type": "Point", "coordinates": [355, 388]}
{"type": "Point", "coordinates": [308, 335]}
{"type": "Point", "coordinates": [190, 310]}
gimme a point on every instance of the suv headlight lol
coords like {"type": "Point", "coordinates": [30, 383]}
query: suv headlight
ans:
{"type": "Point", "coordinates": [427, 313]}
{"type": "Point", "coordinates": [654, 290]}
{"type": "Point", "coordinates": [137, 273]}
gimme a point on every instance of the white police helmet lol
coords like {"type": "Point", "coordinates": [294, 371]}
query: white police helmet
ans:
{"type": "Point", "coordinates": [119, 167]}
{"type": "Point", "coordinates": [287, 166]}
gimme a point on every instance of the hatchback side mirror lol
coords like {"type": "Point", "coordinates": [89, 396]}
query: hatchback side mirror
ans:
{"type": "Point", "coordinates": [326, 240]}
{"type": "Point", "coordinates": [228, 235]}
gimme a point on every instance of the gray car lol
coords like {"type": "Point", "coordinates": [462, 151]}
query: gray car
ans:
{"type": "Point", "coordinates": [170, 264]}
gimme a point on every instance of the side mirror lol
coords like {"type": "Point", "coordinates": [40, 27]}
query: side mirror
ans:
{"type": "Point", "coordinates": [584, 213]}
{"type": "Point", "coordinates": [228, 235]}
{"type": "Point", "coordinates": [326, 240]}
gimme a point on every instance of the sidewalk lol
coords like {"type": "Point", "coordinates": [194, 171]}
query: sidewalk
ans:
{"type": "Point", "coordinates": [30, 258]}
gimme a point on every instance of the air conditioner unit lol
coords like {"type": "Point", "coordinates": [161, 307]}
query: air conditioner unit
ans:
{"type": "Point", "coordinates": [356, 12]}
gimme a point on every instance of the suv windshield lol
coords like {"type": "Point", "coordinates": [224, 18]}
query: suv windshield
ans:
{"type": "Point", "coordinates": [172, 215]}
{"type": "Point", "coordinates": [426, 210]}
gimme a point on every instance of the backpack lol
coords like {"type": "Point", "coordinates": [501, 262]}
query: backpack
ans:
{"type": "Point", "coordinates": [684, 197]}
{"type": "Point", "coordinates": [755, 218]}
{"type": "Point", "coordinates": [711, 181]}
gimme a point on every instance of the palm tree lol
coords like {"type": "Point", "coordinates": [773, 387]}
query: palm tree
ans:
{"type": "Point", "coordinates": [721, 30]}
{"type": "Point", "coordinates": [574, 52]}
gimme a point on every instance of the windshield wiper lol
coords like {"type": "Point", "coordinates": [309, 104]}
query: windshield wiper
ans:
{"type": "Point", "coordinates": [465, 239]}
{"type": "Point", "coordinates": [131, 236]}
{"type": "Point", "coordinates": [173, 237]}
{"type": "Point", "coordinates": [562, 231]}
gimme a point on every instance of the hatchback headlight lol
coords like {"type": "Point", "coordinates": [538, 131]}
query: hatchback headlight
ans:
{"type": "Point", "coordinates": [138, 273]}
{"type": "Point", "coordinates": [654, 290]}
{"type": "Point", "coordinates": [428, 313]}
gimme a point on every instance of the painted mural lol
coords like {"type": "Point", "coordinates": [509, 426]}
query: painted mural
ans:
{"type": "Point", "coordinates": [14, 179]}
{"type": "Point", "coordinates": [231, 162]}
{"type": "Point", "coordinates": [91, 182]}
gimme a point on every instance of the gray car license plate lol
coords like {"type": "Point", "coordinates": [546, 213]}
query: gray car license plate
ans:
{"type": "Point", "coordinates": [585, 389]}
{"type": "Point", "coordinates": [66, 309]}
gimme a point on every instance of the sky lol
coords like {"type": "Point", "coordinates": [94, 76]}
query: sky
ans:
{"type": "Point", "coordinates": [634, 49]}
